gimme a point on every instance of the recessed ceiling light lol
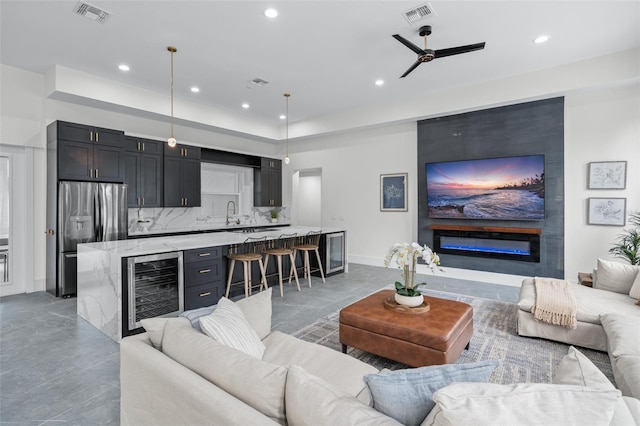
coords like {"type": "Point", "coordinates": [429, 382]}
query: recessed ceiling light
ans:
{"type": "Point", "coordinates": [195, 89]}
{"type": "Point", "coordinates": [270, 13]}
{"type": "Point", "coordinates": [541, 39]}
{"type": "Point", "coordinates": [245, 105]}
{"type": "Point", "coordinates": [282, 117]}
{"type": "Point", "coordinates": [123, 67]}
{"type": "Point", "coordinates": [379, 82]}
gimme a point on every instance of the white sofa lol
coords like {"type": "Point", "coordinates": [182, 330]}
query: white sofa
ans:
{"type": "Point", "coordinates": [608, 320]}
{"type": "Point", "coordinates": [174, 374]}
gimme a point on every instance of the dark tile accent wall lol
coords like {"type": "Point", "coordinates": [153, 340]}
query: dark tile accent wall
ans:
{"type": "Point", "coordinates": [522, 129]}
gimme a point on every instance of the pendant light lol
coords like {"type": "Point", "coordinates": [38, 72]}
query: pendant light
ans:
{"type": "Point", "coordinates": [172, 140]}
{"type": "Point", "coordinates": [286, 156]}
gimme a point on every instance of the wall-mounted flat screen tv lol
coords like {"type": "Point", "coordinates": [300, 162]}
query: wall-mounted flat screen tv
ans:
{"type": "Point", "coordinates": [509, 188]}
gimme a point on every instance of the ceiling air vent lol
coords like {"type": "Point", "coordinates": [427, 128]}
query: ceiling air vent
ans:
{"type": "Point", "coordinates": [418, 13]}
{"type": "Point", "coordinates": [92, 12]}
{"type": "Point", "coordinates": [259, 82]}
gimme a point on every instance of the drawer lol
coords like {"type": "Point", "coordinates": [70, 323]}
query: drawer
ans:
{"type": "Point", "coordinates": [202, 272]}
{"type": "Point", "coordinates": [201, 254]}
{"type": "Point", "coordinates": [202, 295]}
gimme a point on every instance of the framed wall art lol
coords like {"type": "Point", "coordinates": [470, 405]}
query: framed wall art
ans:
{"type": "Point", "coordinates": [607, 175]}
{"type": "Point", "coordinates": [393, 192]}
{"type": "Point", "coordinates": [606, 211]}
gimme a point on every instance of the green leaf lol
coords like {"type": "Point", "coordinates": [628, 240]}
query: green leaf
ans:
{"type": "Point", "coordinates": [399, 286]}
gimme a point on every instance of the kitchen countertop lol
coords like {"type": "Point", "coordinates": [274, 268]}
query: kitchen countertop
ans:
{"type": "Point", "coordinates": [204, 227]}
{"type": "Point", "coordinates": [163, 244]}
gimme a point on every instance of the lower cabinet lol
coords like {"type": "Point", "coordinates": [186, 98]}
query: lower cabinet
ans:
{"type": "Point", "coordinates": [204, 282]}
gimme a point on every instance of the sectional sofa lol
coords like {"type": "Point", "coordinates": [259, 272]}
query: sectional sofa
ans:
{"type": "Point", "coordinates": [176, 374]}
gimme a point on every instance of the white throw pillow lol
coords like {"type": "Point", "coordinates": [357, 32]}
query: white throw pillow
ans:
{"type": "Point", "coordinates": [577, 369]}
{"type": "Point", "coordinates": [615, 276]}
{"type": "Point", "coordinates": [311, 401]}
{"type": "Point", "coordinates": [228, 326]}
{"type": "Point", "coordinates": [635, 288]}
{"type": "Point", "coordinates": [521, 404]}
{"type": "Point", "coordinates": [257, 311]}
{"type": "Point", "coordinates": [155, 328]}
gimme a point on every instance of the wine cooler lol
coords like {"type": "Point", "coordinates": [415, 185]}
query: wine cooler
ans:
{"type": "Point", "coordinates": [155, 287]}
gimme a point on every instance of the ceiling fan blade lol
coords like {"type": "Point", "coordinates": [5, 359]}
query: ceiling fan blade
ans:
{"type": "Point", "coordinates": [441, 53]}
{"type": "Point", "coordinates": [407, 43]}
{"type": "Point", "coordinates": [413, 67]}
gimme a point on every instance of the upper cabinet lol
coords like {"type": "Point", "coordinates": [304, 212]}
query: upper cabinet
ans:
{"type": "Point", "coordinates": [143, 172]}
{"type": "Point", "coordinates": [181, 176]}
{"type": "Point", "coordinates": [89, 153]}
{"type": "Point", "coordinates": [267, 183]}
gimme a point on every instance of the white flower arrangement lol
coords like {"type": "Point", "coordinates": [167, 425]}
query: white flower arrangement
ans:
{"type": "Point", "coordinates": [406, 258]}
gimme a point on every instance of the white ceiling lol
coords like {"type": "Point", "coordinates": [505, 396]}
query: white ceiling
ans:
{"type": "Point", "coordinates": [327, 54]}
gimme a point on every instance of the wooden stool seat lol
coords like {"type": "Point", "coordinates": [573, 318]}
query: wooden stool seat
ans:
{"type": "Point", "coordinates": [279, 248]}
{"type": "Point", "coordinates": [250, 251]}
{"type": "Point", "coordinates": [305, 244]}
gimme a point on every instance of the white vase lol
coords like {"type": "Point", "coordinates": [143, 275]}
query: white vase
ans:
{"type": "Point", "coordinates": [410, 301]}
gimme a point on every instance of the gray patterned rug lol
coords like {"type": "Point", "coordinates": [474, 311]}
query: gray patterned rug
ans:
{"type": "Point", "coordinates": [523, 359]}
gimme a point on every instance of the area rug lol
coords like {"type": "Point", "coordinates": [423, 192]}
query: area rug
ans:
{"type": "Point", "coordinates": [522, 359]}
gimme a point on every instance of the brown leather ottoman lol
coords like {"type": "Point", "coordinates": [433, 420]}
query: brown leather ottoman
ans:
{"type": "Point", "coordinates": [435, 337]}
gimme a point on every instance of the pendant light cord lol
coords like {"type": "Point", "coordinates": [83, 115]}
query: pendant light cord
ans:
{"type": "Point", "coordinates": [286, 157]}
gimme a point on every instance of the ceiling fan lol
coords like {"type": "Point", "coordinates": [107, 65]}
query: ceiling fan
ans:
{"type": "Point", "coordinates": [427, 55]}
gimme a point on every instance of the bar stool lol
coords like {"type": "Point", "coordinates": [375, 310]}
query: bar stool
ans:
{"type": "Point", "coordinates": [249, 251]}
{"type": "Point", "coordinates": [283, 246]}
{"type": "Point", "coordinates": [306, 244]}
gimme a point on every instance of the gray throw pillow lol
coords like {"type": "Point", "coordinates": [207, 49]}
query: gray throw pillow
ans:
{"type": "Point", "coordinates": [407, 395]}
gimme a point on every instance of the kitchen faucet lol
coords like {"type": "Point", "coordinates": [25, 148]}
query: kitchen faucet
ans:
{"type": "Point", "coordinates": [234, 209]}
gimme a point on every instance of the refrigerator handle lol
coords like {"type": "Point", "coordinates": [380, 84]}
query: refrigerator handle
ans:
{"type": "Point", "coordinates": [98, 219]}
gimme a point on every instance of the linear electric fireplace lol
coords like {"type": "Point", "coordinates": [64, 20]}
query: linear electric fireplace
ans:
{"type": "Point", "coordinates": [498, 243]}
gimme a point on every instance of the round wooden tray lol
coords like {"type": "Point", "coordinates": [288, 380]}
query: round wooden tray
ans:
{"type": "Point", "coordinates": [390, 303]}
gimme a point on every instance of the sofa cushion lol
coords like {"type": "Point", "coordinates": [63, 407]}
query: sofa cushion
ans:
{"type": "Point", "coordinates": [228, 326]}
{"type": "Point", "coordinates": [406, 395]}
{"type": "Point", "coordinates": [235, 372]}
{"type": "Point", "coordinates": [257, 311]}
{"type": "Point", "coordinates": [615, 276]}
{"type": "Point", "coordinates": [623, 334]}
{"type": "Point", "coordinates": [155, 328]}
{"type": "Point", "coordinates": [577, 369]}
{"type": "Point", "coordinates": [336, 368]}
{"type": "Point", "coordinates": [626, 371]}
{"type": "Point", "coordinates": [521, 404]}
{"type": "Point", "coordinates": [312, 401]}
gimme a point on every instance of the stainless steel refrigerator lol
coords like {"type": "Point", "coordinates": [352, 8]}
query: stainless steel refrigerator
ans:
{"type": "Point", "coordinates": [87, 212]}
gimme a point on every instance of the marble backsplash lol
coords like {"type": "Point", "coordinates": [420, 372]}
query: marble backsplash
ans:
{"type": "Point", "coordinates": [184, 219]}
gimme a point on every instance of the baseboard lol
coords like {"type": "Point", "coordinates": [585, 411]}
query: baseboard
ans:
{"type": "Point", "coordinates": [462, 274]}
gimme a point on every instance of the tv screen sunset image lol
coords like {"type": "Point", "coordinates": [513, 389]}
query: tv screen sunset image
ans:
{"type": "Point", "coordinates": [510, 188]}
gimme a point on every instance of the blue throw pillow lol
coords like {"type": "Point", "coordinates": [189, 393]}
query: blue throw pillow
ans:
{"type": "Point", "coordinates": [407, 395]}
{"type": "Point", "coordinates": [194, 315]}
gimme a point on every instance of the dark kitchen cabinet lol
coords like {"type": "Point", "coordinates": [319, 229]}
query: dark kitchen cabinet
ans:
{"type": "Point", "coordinates": [267, 183]}
{"type": "Point", "coordinates": [204, 282]}
{"type": "Point", "coordinates": [143, 172]}
{"type": "Point", "coordinates": [89, 153]}
{"type": "Point", "coordinates": [181, 176]}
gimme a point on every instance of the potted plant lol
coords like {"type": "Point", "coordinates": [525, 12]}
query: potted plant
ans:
{"type": "Point", "coordinates": [274, 216]}
{"type": "Point", "coordinates": [407, 292]}
{"type": "Point", "coordinates": [628, 243]}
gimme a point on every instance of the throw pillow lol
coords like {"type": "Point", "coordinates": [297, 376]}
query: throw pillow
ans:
{"type": "Point", "coordinates": [228, 326]}
{"type": "Point", "coordinates": [406, 395]}
{"type": "Point", "coordinates": [257, 311]}
{"type": "Point", "coordinates": [155, 328]}
{"type": "Point", "coordinates": [635, 287]}
{"type": "Point", "coordinates": [577, 369]}
{"type": "Point", "coordinates": [255, 382]}
{"type": "Point", "coordinates": [615, 276]}
{"type": "Point", "coordinates": [522, 404]}
{"type": "Point", "coordinates": [194, 315]}
{"type": "Point", "coordinates": [311, 401]}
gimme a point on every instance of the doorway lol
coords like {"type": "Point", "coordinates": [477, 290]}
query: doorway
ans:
{"type": "Point", "coordinates": [307, 197]}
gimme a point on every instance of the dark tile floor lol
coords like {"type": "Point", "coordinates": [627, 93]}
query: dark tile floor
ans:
{"type": "Point", "coordinates": [57, 369]}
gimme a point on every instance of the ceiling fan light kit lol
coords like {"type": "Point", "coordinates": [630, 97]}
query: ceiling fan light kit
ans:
{"type": "Point", "coordinates": [427, 55]}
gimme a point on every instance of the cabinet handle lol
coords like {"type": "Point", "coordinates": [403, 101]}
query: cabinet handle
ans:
{"type": "Point", "coordinates": [143, 198]}
{"type": "Point", "coordinates": [96, 169]}
{"type": "Point", "coordinates": [90, 172]}
{"type": "Point", "coordinates": [204, 254]}
{"type": "Point", "coordinates": [205, 294]}
{"type": "Point", "coordinates": [97, 137]}
{"type": "Point", "coordinates": [138, 146]}
{"type": "Point", "coordinates": [205, 271]}
{"type": "Point", "coordinates": [91, 136]}
{"type": "Point", "coordinates": [143, 146]}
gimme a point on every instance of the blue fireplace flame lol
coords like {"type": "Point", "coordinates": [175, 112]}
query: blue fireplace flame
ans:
{"type": "Point", "coordinates": [486, 249]}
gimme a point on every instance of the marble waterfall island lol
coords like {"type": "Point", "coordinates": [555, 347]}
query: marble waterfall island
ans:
{"type": "Point", "coordinates": [100, 269]}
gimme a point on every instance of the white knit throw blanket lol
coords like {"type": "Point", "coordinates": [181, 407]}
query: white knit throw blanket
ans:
{"type": "Point", "coordinates": [555, 303]}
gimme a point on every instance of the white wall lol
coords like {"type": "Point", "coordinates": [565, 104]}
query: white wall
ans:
{"type": "Point", "coordinates": [308, 198]}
